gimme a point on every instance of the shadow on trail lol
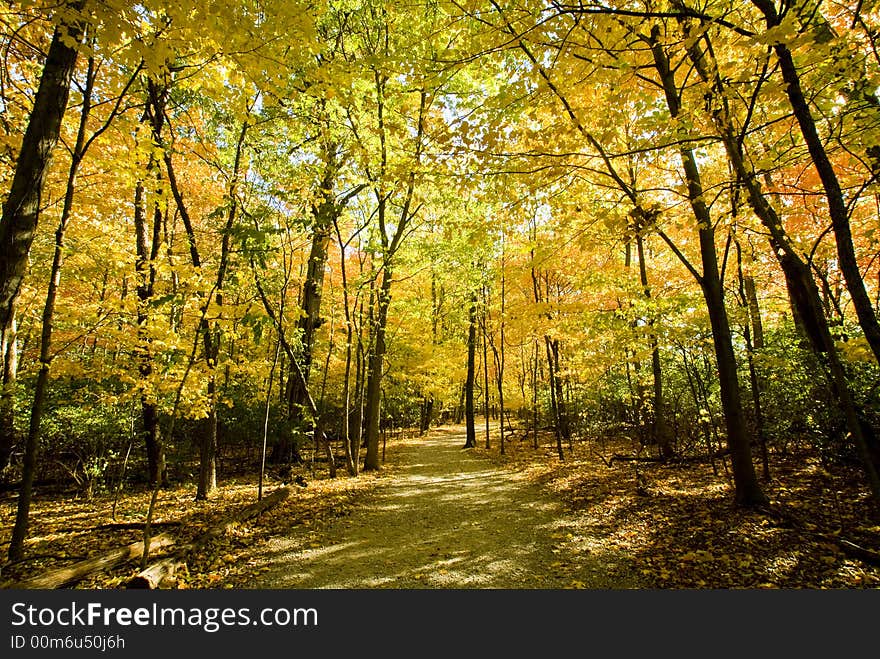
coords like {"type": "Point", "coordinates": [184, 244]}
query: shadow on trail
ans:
{"type": "Point", "coordinates": [448, 519]}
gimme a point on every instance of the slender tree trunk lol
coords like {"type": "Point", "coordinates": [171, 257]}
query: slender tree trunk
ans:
{"type": "Point", "coordinates": [551, 373]}
{"type": "Point", "coordinates": [147, 249]}
{"type": "Point", "coordinates": [751, 295]}
{"type": "Point", "coordinates": [320, 437]}
{"type": "Point", "coordinates": [558, 384]}
{"type": "Point", "coordinates": [661, 427]}
{"type": "Point", "coordinates": [471, 440]}
{"type": "Point", "coordinates": [750, 300]}
{"type": "Point", "coordinates": [325, 214]}
{"type": "Point", "coordinates": [535, 395]}
{"type": "Point", "coordinates": [704, 425]}
{"type": "Point", "coordinates": [357, 438]}
{"type": "Point", "coordinates": [484, 324]}
{"type": "Point", "coordinates": [554, 398]}
{"type": "Point", "coordinates": [208, 442]}
{"type": "Point", "coordinates": [9, 355]}
{"type": "Point", "coordinates": [19, 532]}
{"type": "Point", "coordinates": [748, 490]}
{"type": "Point", "coordinates": [499, 376]}
{"type": "Point", "coordinates": [350, 462]}
{"type": "Point", "coordinates": [21, 209]}
{"type": "Point", "coordinates": [269, 382]}
{"type": "Point", "coordinates": [374, 377]}
{"type": "Point", "coordinates": [390, 245]}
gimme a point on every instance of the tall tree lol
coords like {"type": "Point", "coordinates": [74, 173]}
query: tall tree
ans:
{"type": "Point", "coordinates": [21, 209]}
{"type": "Point", "coordinates": [471, 433]}
{"type": "Point", "coordinates": [81, 145]}
{"type": "Point", "coordinates": [148, 242]}
{"type": "Point", "coordinates": [748, 489]}
{"type": "Point", "coordinates": [661, 426]}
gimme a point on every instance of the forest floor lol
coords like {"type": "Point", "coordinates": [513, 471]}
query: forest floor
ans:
{"type": "Point", "coordinates": [438, 516]}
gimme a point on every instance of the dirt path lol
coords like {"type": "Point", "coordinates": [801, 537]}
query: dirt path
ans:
{"type": "Point", "coordinates": [447, 519]}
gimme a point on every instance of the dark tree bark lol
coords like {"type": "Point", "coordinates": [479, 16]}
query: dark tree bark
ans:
{"type": "Point", "coordinates": [661, 427]}
{"type": "Point", "coordinates": [485, 330]}
{"type": "Point", "coordinates": [208, 442]}
{"type": "Point", "coordinates": [147, 249]}
{"type": "Point", "coordinates": [320, 437]}
{"type": "Point", "coordinates": [324, 214]}
{"type": "Point", "coordinates": [351, 446]}
{"type": "Point", "coordinates": [748, 490]}
{"type": "Point", "coordinates": [749, 298]}
{"type": "Point", "coordinates": [751, 295]}
{"type": "Point", "coordinates": [551, 371]}
{"type": "Point", "coordinates": [19, 532]}
{"type": "Point", "coordinates": [471, 440]}
{"type": "Point", "coordinates": [499, 370]}
{"type": "Point", "coordinates": [374, 377]}
{"type": "Point", "coordinates": [21, 210]}
{"type": "Point", "coordinates": [558, 391]}
{"type": "Point", "coordinates": [390, 244]}
{"type": "Point", "coordinates": [535, 364]}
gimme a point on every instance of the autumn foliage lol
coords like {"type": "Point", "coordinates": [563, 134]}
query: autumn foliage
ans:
{"type": "Point", "coordinates": [268, 233]}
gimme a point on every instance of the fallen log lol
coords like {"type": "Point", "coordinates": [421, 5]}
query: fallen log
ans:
{"type": "Point", "coordinates": [866, 555]}
{"type": "Point", "coordinates": [633, 458]}
{"type": "Point", "coordinates": [248, 512]}
{"type": "Point", "coordinates": [120, 526]}
{"type": "Point", "coordinates": [72, 573]}
{"type": "Point", "coordinates": [165, 568]}
{"type": "Point", "coordinates": [157, 574]}
{"type": "Point", "coordinates": [618, 457]}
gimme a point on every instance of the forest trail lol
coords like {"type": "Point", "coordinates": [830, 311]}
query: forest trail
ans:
{"type": "Point", "coordinates": [447, 518]}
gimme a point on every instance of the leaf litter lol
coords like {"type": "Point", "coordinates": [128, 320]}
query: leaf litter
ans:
{"type": "Point", "coordinates": [674, 521]}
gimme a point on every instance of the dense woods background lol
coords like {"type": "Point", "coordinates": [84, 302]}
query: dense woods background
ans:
{"type": "Point", "coordinates": [270, 232]}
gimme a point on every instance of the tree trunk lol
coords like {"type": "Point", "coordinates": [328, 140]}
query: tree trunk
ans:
{"type": "Point", "coordinates": [9, 355]}
{"type": "Point", "coordinates": [751, 295]}
{"type": "Point", "coordinates": [78, 571]}
{"type": "Point", "coordinates": [19, 533]}
{"type": "Point", "coordinates": [500, 369]}
{"type": "Point", "coordinates": [374, 377]}
{"type": "Point", "coordinates": [554, 398]}
{"type": "Point", "coordinates": [350, 460]}
{"type": "Point", "coordinates": [324, 215]}
{"type": "Point", "coordinates": [561, 406]}
{"type": "Point", "coordinates": [748, 491]}
{"type": "Point", "coordinates": [551, 373]}
{"type": "Point", "coordinates": [661, 427]}
{"type": "Point", "coordinates": [535, 395]}
{"type": "Point", "coordinates": [149, 409]}
{"type": "Point", "coordinates": [208, 444]}
{"type": "Point", "coordinates": [22, 207]}
{"type": "Point", "coordinates": [471, 440]}
{"type": "Point", "coordinates": [147, 250]}
{"type": "Point", "coordinates": [486, 365]}
{"type": "Point", "coordinates": [755, 383]}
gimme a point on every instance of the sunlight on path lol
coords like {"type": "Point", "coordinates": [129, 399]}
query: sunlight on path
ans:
{"type": "Point", "coordinates": [448, 519]}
